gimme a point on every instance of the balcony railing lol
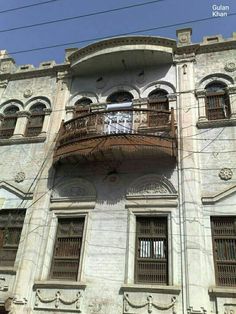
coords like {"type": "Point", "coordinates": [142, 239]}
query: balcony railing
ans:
{"type": "Point", "coordinates": [113, 123]}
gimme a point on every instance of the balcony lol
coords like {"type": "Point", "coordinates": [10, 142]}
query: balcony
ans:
{"type": "Point", "coordinates": [117, 133]}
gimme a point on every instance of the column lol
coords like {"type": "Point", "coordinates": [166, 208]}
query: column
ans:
{"type": "Point", "coordinates": [201, 96]}
{"type": "Point", "coordinates": [70, 110]}
{"type": "Point", "coordinates": [232, 99]}
{"type": "Point", "coordinates": [46, 121]}
{"type": "Point", "coordinates": [21, 124]}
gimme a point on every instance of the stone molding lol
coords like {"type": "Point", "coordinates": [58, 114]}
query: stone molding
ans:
{"type": "Point", "coordinates": [121, 41]}
{"type": "Point", "coordinates": [16, 191]}
{"type": "Point", "coordinates": [185, 57]}
{"type": "Point", "coordinates": [212, 199]}
{"type": "Point", "coordinates": [150, 304]}
{"type": "Point", "coordinates": [216, 123]}
{"type": "Point", "coordinates": [57, 301]}
{"type": "Point", "coordinates": [151, 288]}
{"type": "Point", "coordinates": [23, 140]}
{"type": "Point", "coordinates": [227, 292]}
{"type": "Point", "coordinates": [3, 286]}
{"type": "Point", "coordinates": [23, 113]}
{"type": "Point", "coordinates": [191, 310]}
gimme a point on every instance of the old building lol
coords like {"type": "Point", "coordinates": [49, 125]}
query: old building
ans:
{"type": "Point", "coordinates": [118, 179]}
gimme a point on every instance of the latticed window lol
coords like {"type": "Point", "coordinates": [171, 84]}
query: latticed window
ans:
{"type": "Point", "coordinates": [11, 223]}
{"type": "Point", "coordinates": [224, 249]}
{"type": "Point", "coordinates": [82, 106]}
{"type": "Point", "coordinates": [151, 250]}
{"type": "Point", "coordinates": [217, 102]}
{"type": "Point", "coordinates": [9, 122]}
{"type": "Point", "coordinates": [67, 251]}
{"type": "Point", "coordinates": [159, 104]}
{"type": "Point", "coordinates": [35, 123]}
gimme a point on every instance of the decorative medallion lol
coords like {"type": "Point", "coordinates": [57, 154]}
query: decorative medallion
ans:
{"type": "Point", "coordinates": [28, 93]}
{"type": "Point", "coordinates": [230, 66]}
{"type": "Point", "coordinates": [226, 174]}
{"type": "Point", "coordinates": [20, 177]}
{"type": "Point", "coordinates": [183, 38]}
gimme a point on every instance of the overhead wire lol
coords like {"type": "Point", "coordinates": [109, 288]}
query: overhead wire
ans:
{"type": "Point", "coordinates": [27, 6]}
{"type": "Point", "coordinates": [114, 35]}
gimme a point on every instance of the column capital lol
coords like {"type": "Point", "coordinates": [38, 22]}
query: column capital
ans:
{"type": "Point", "coordinates": [200, 93]}
{"type": "Point", "coordinates": [47, 111]}
{"type": "Point", "coordinates": [24, 113]}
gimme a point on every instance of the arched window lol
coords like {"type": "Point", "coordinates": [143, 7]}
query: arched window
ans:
{"type": "Point", "coordinates": [120, 97]}
{"type": "Point", "coordinates": [35, 123]}
{"type": "Point", "coordinates": [9, 122]}
{"type": "Point", "coordinates": [217, 101]}
{"type": "Point", "coordinates": [82, 106]}
{"type": "Point", "coordinates": [159, 108]}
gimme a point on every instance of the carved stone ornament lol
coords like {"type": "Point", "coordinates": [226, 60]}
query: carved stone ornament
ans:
{"type": "Point", "coordinates": [151, 185]}
{"type": "Point", "coordinates": [3, 287]}
{"type": "Point", "coordinates": [149, 305]}
{"type": "Point", "coordinates": [230, 308]}
{"type": "Point", "coordinates": [28, 93]}
{"type": "Point", "coordinates": [58, 301]}
{"type": "Point", "coordinates": [191, 310]}
{"type": "Point", "coordinates": [230, 66]}
{"type": "Point", "coordinates": [20, 177]}
{"type": "Point", "coordinates": [226, 174]}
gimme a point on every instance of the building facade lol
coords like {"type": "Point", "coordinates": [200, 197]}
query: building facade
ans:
{"type": "Point", "coordinates": [118, 179]}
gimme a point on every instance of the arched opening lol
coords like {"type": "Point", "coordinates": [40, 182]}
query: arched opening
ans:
{"type": "Point", "coordinates": [35, 122]}
{"type": "Point", "coordinates": [82, 106]}
{"type": "Point", "coordinates": [9, 122]}
{"type": "Point", "coordinates": [217, 101]}
{"type": "Point", "coordinates": [159, 108]}
{"type": "Point", "coordinates": [120, 97]}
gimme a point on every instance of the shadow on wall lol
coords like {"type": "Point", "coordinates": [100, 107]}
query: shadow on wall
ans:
{"type": "Point", "coordinates": [112, 182]}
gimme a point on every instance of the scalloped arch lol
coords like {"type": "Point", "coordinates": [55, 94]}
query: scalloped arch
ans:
{"type": "Point", "coordinates": [157, 85]}
{"type": "Point", "coordinates": [74, 188]}
{"type": "Point", "coordinates": [216, 77]}
{"type": "Point", "coordinates": [35, 100]}
{"type": "Point", "coordinates": [11, 102]}
{"type": "Point", "coordinates": [151, 184]}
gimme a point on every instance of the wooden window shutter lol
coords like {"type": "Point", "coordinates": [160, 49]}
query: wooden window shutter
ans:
{"type": "Point", "coordinates": [11, 223]}
{"type": "Point", "coordinates": [224, 249]}
{"type": "Point", "coordinates": [151, 250]}
{"type": "Point", "coordinates": [67, 250]}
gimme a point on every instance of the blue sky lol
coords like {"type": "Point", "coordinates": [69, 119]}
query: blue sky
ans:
{"type": "Point", "coordinates": [158, 14]}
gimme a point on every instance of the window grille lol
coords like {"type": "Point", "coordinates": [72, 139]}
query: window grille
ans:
{"type": "Point", "coordinates": [120, 97]}
{"type": "Point", "coordinates": [224, 249]}
{"type": "Point", "coordinates": [217, 102]}
{"type": "Point", "coordinates": [151, 250]}
{"type": "Point", "coordinates": [35, 122]}
{"type": "Point", "coordinates": [11, 223]}
{"type": "Point", "coordinates": [158, 103]}
{"type": "Point", "coordinates": [9, 122]}
{"type": "Point", "coordinates": [67, 250]}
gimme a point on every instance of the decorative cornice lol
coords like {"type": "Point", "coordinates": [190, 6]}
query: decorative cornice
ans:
{"type": "Point", "coordinates": [34, 72]}
{"type": "Point", "coordinates": [121, 41]}
{"type": "Point", "coordinates": [182, 58]}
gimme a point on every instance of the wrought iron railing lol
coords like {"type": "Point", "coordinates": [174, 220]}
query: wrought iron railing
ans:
{"type": "Point", "coordinates": [122, 121]}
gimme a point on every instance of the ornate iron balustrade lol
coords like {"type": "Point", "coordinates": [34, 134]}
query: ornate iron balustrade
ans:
{"type": "Point", "coordinates": [122, 121]}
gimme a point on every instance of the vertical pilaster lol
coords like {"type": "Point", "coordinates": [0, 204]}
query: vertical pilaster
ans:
{"type": "Point", "coordinates": [232, 99]}
{"type": "Point", "coordinates": [190, 187]}
{"type": "Point", "coordinates": [201, 96]}
{"type": "Point", "coordinates": [70, 112]}
{"type": "Point", "coordinates": [46, 121]}
{"type": "Point", "coordinates": [34, 245]}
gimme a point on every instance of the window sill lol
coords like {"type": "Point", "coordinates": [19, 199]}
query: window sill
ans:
{"type": "Point", "coordinates": [60, 284]}
{"type": "Point", "coordinates": [23, 140]}
{"type": "Point", "coordinates": [216, 123]}
{"type": "Point", "coordinates": [229, 292]}
{"type": "Point", "coordinates": [7, 270]}
{"type": "Point", "coordinates": [151, 288]}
